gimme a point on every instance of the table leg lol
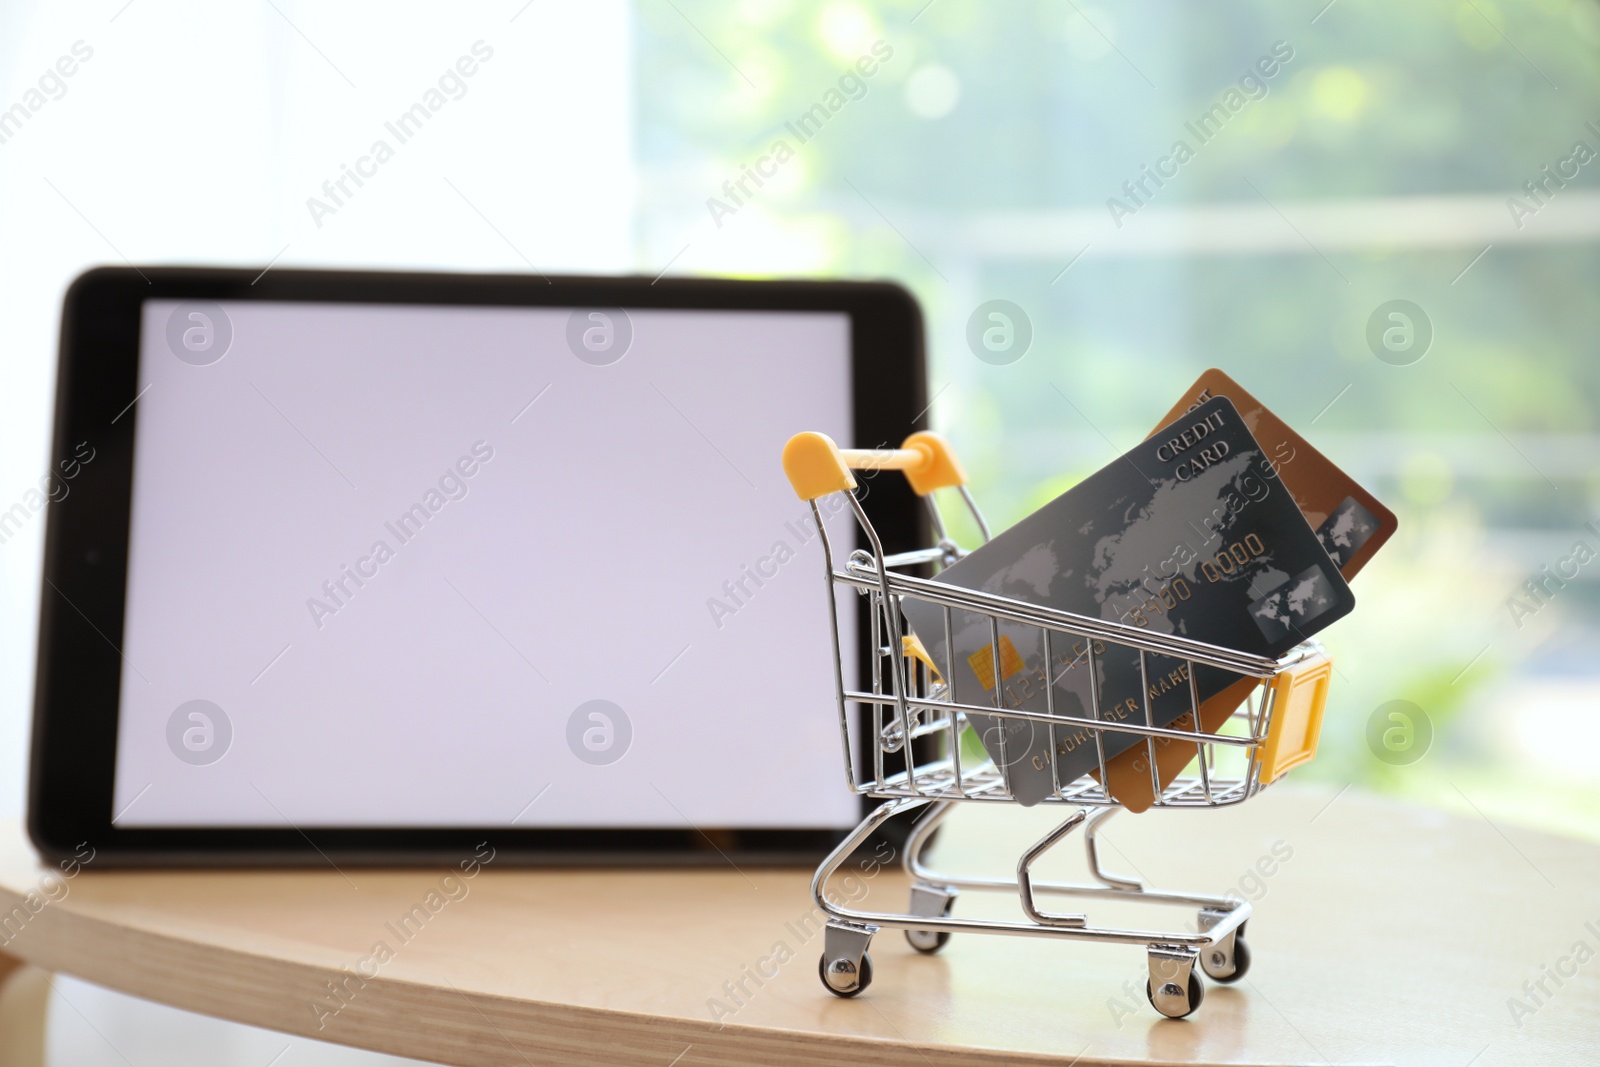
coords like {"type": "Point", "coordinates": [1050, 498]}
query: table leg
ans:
{"type": "Point", "coordinates": [24, 1001]}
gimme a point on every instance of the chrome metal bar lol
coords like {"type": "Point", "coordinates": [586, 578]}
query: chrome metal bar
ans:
{"type": "Point", "coordinates": [936, 518]}
{"type": "Point", "coordinates": [905, 686]}
{"type": "Point", "coordinates": [1200, 748]}
{"type": "Point", "coordinates": [914, 558]}
{"type": "Point", "coordinates": [1094, 712]}
{"type": "Point", "coordinates": [1186, 796]}
{"type": "Point", "coordinates": [997, 673]}
{"type": "Point", "coordinates": [1111, 935]}
{"type": "Point", "coordinates": [838, 653]}
{"type": "Point", "coordinates": [875, 635]}
{"type": "Point", "coordinates": [1009, 610]}
{"type": "Point", "coordinates": [921, 832]}
{"type": "Point", "coordinates": [1267, 704]}
{"type": "Point", "coordinates": [1092, 849]}
{"type": "Point", "coordinates": [955, 717]}
{"type": "Point", "coordinates": [1150, 720]}
{"type": "Point", "coordinates": [1050, 709]}
{"type": "Point", "coordinates": [836, 858]}
{"type": "Point", "coordinates": [1067, 622]}
{"type": "Point", "coordinates": [891, 619]}
{"type": "Point", "coordinates": [1088, 892]}
{"type": "Point", "coordinates": [977, 516]}
{"type": "Point", "coordinates": [1065, 720]}
{"type": "Point", "coordinates": [1030, 908]}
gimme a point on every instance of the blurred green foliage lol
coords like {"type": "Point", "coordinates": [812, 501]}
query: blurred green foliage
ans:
{"type": "Point", "coordinates": [991, 125]}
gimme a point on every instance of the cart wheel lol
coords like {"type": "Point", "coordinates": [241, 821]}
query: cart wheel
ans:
{"type": "Point", "coordinates": [1173, 1003]}
{"type": "Point", "coordinates": [1241, 961]}
{"type": "Point", "coordinates": [931, 941]}
{"type": "Point", "coordinates": [840, 976]}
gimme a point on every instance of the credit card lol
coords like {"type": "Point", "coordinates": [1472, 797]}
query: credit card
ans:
{"type": "Point", "coordinates": [1350, 522]}
{"type": "Point", "coordinates": [1188, 533]}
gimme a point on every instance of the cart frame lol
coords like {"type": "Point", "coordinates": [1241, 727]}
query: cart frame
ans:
{"type": "Point", "coordinates": [1271, 732]}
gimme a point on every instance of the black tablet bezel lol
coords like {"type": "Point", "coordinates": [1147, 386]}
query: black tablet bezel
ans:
{"type": "Point", "coordinates": [86, 540]}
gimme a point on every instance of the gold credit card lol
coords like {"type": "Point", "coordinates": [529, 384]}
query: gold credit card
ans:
{"type": "Point", "coordinates": [1349, 521]}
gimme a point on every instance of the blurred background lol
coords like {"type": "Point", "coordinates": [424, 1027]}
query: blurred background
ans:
{"type": "Point", "coordinates": [1440, 153]}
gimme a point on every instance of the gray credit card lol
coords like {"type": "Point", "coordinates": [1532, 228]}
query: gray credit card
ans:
{"type": "Point", "coordinates": [1189, 533]}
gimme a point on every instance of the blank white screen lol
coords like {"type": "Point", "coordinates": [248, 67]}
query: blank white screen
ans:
{"type": "Point", "coordinates": [584, 560]}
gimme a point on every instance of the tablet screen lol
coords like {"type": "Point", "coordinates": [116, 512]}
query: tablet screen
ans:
{"type": "Point", "coordinates": [408, 566]}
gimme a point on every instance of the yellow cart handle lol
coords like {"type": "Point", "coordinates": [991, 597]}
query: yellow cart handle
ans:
{"type": "Point", "coordinates": [1299, 697]}
{"type": "Point", "coordinates": [816, 466]}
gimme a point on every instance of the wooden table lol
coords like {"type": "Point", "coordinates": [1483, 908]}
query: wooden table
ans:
{"type": "Point", "coordinates": [1389, 934]}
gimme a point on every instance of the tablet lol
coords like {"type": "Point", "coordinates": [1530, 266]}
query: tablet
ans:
{"type": "Point", "coordinates": [367, 567]}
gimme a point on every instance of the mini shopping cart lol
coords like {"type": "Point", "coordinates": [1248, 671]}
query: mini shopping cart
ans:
{"type": "Point", "coordinates": [914, 724]}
